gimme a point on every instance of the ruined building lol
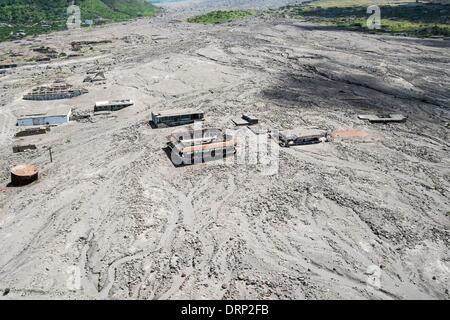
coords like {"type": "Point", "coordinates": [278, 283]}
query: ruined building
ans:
{"type": "Point", "coordinates": [113, 105]}
{"type": "Point", "coordinates": [46, 116]}
{"type": "Point", "coordinates": [175, 117]}
{"type": "Point", "coordinates": [56, 91]}
{"type": "Point", "coordinates": [302, 137]}
{"type": "Point", "coordinates": [195, 146]}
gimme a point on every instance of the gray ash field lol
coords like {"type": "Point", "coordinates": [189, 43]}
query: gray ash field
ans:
{"type": "Point", "coordinates": [357, 217]}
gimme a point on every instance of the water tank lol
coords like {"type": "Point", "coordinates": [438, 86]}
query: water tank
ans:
{"type": "Point", "coordinates": [23, 174]}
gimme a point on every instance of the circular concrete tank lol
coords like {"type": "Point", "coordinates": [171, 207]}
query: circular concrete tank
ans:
{"type": "Point", "coordinates": [23, 174]}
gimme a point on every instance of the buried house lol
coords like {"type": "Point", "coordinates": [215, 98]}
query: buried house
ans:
{"type": "Point", "coordinates": [32, 116]}
{"type": "Point", "coordinates": [383, 118]}
{"type": "Point", "coordinates": [114, 105]}
{"type": "Point", "coordinates": [176, 117]}
{"type": "Point", "coordinates": [196, 146]}
{"type": "Point", "coordinates": [55, 91]}
{"type": "Point", "coordinates": [301, 137]}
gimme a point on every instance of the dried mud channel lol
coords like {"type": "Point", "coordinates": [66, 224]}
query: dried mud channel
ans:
{"type": "Point", "coordinates": [113, 209]}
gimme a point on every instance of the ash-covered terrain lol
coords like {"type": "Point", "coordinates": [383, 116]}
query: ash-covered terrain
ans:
{"type": "Point", "coordinates": [363, 216]}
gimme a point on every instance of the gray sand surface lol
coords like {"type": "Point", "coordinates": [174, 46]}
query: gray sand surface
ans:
{"type": "Point", "coordinates": [111, 217]}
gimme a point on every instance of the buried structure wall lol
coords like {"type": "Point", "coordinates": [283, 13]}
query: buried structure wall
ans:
{"type": "Point", "coordinates": [49, 116]}
{"type": "Point", "coordinates": [53, 95]}
{"type": "Point", "coordinates": [44, 120]}
{"type": "Point", "coordinates": [31, 132]}
{"type": "Point", "coordinates": [176, 117]}
{"type": "Point", "coordinates": [112, 105]}
{"type": "Point", "coordinates": [195, 147]}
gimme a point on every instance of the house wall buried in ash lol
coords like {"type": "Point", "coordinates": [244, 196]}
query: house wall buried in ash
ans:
{"type": "Point", "coordinates": [55, 91]}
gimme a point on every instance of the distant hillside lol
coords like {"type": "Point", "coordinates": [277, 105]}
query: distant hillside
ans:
{"type": "Point", "coordinates": [401, 17]}
{"type": "Point", "coordinates": [39, 16]}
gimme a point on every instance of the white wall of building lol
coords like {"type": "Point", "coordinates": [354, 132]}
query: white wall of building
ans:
{"type": "Point", "coordinates": [44, 120]}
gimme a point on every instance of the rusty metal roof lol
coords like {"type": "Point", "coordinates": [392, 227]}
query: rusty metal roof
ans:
{"type": "Point", "coordinates": [24, 170]}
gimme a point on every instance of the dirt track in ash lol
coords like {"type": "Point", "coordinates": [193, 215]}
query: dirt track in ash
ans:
{"type": "Point", "coordinates": [336, 218]}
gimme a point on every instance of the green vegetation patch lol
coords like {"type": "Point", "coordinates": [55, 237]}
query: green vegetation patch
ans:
{"type": "Point", "coordinates": [135, 8]}
{"type": "Point", "coordinates": [216, 17]}
{"type": "Point", "coordinates": [33, 17]}
{"type": "Point", "coordinates": [410, 18]}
